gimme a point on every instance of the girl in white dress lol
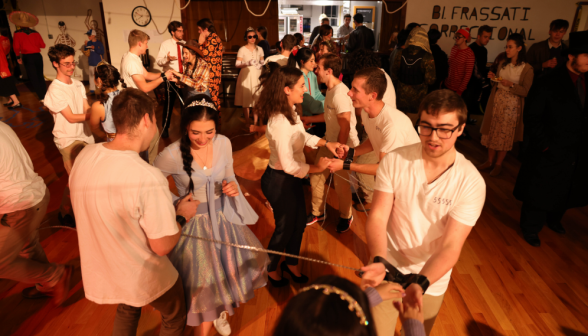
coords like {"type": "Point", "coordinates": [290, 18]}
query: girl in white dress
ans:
{"type": "Point", "coordinates": [250, 61]}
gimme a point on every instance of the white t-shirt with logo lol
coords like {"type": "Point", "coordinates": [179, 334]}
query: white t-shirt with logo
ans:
{"type": "Point", "coordinates": [337, 101]}
{"type": "Point", "coordinates": [20, 187]}
{"type": "Point", "coordinates": [120, 202]}
{"type": "Point", "coordinates": [389, 130]}
{"type": "Point", "coordinates": [130, 65]}
{"type": "Point", "coordinates": [59, 96]}
{"type": "Point", "coordinates": [421, 210]}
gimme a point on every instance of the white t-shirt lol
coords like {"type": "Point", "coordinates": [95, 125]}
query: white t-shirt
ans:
{"type": "Point", "coordinates": [421, 211]}
{"type": "Point", "coordinates": [389, 130]}
{"type": "Point", "coordinates": [120, 201]}
{"type": "Point", "coordinates": [279, 58]}
{"type": "Point", "coordinates": [131, 65]}
{"type": "Point", "coordinates": [337, 101]}
{"type": "Point", "coordinates": [20, 187]}
{"type": "Point", "coordinates": [390, 94]}
{"type": "Point", "coordinates": [59, 96]}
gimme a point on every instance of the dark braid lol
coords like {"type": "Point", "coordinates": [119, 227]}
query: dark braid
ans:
{"type": "Point", "coordinates": [187, 159]}
{"type": "Point", "coordinates": [110, 78]}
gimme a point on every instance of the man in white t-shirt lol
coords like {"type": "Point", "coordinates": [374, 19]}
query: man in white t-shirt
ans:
{"type": "Point", "coordinates": [127, 223]}
{"type": "Point", "coordinates": [136, 76]}
{"type": "Point", "coordinates": [386, 127]}
{"type": "Point", "coordinates": [288, 43]}
{"type": "Point", "coordinates": [170, 58]}
{"type": "Point", "coordinates": [66, 100]}
{"type": "Point", "coordinates": [340, 121]}
{"type": "Point", "coordinates": [23, 204]}
{"type": "Point", "coordinates": [426, 200]}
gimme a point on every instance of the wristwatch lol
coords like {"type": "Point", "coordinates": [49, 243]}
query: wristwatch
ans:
{"type": "Point", "coordinates": [350, 154]}
{"type": "Point", "coordinates": [405, 280]}
{"type": "Point", "coordinates": [419, 279]}
{"type": "Point", "coordinates": [181, 220]}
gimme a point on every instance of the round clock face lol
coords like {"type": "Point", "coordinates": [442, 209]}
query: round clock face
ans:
{"type": "Point", "coordinates": [141, 16]}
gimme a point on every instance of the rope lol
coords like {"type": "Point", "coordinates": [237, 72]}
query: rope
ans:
{"type": "Point", "coordinates": [394, 11]}
{"type": "Point", "coordinates": [170, 18]}
{"type": "Point", "coordinates": [262, 14]}
{"type": "Point", "coordinates": [182, 8]}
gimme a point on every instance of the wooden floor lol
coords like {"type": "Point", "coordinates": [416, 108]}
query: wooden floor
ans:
{"type": "Point", "coordinates": [500, 285]}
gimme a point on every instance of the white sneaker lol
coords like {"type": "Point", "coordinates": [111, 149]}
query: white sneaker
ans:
{"type": "Point", "coordinates": [222, 325]}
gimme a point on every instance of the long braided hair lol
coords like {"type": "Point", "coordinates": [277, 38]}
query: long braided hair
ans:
{"type": "Point", "coordinates": [190, 114]}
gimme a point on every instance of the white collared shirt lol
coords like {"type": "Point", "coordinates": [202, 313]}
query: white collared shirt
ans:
{"type": "Point", "coordinates": [169, 46]}
{"type": "Point", "coordinates": [552, 45]}
{"type": "Point", "coordinates": [286, 142]}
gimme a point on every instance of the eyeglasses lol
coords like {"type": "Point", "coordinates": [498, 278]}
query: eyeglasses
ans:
{"type": "Point", "coordinates": [69, 65]}
{"type": "Point", "coordinates": [252, 37]}
{"type": "Point", "coordinates": [457, 37]}
{"type": "Point", "coordinates": [442, 133]}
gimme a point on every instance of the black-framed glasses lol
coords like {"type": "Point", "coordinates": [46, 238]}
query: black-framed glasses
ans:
{"type": "Point", "coordinates": [252, 37]}
{"type": "Point", "coordinates": [457, 37]}
{"type": "Point", "coordinates": [67, 65]}
{"type": "Point", "coordinates": [442, 133]}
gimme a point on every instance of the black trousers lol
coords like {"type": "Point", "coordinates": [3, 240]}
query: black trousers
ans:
{"type": "Point", "coordinates": [286, 196]}
{"type": "Point", "coordinates": [168, 112]}
{"type": "Point", "coordinates": [33, 63]}
{"type": "Point", "coordinates": [471, 97]}
{"type": "Point", "coordinates": [533, 218]}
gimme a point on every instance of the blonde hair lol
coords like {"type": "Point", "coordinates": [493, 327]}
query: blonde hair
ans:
{"type": "Point", "coordinates": [136, 36]}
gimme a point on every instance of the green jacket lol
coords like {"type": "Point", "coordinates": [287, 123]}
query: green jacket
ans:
{"type": "Point", "coordinates": [314, 100]}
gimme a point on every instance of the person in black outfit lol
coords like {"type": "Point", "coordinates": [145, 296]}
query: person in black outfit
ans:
{"type": "Point", "coordinates": [315, 31]}
{"type": "Point", "coordinates": [553, 175]}
{"type": "Point", "coordinates": [479, 79]}
{"type": "Point", "coordinates": [544, 56]}
{"type": "Point", "coordinates": [262, 41]}
{"type": "Point", "coordinates": [361, 37]}
{"type": "Point", "coordinates": [440, 57]}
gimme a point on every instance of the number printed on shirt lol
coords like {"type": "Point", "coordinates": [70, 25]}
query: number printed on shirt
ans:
{"type": "Point", "coordinates": [442, 201]}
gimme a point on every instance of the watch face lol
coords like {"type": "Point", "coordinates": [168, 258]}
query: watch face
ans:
{"type": "Point", "coordinates": [141, 16]}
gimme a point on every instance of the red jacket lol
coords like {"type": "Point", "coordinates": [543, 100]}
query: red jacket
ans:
{"type": "Point", "coordinates": [4, 69]}
{"type": "Point", "coordinates": [27, 41]}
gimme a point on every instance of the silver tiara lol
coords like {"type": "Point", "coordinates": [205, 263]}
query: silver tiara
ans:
{"type": "Point", "coordinates": [202, 102]}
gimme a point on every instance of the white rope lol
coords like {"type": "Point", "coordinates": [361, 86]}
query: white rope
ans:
{"type": "Point", "coordinates": [262, 14]}
{"type": "Point", "coordinates": [394, 11]}
{"type": "Point", "coordinates": [182, 8]}
{"type": "Point", "coordinates": [170, 18]}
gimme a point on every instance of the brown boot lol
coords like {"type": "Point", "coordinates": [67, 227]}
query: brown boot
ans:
{"type": "Point", "coordinates": [61, 289]}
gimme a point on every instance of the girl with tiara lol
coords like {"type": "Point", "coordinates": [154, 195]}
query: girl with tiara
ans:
{"type": "Point", "coordinates": [216, 277]}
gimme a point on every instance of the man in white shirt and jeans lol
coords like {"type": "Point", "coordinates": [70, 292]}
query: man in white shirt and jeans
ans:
{"type": "Point", "coordinates": [170, 58]}
{"type": "Point", "coordinates": [386, 127]}
{"type": "Point", "coordinates": [426, 200]}
{"type": "Point", "coordinates": [67, 102]}
{"type": "Point", "coordinates": [340, 121]}
{"type": "Point", "coordinates": [136, 76]}
{"type": "Point", "coordinates": [23, 204]}
{"type": "Point", "coordinates": [127, 222]}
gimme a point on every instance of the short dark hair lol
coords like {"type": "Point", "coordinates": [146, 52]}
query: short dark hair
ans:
{"type": "Point", "coordinates": [484, 29]}
{"type": "Point", "coordinates": [444, 101]}
{"type": "Point", "coordinates": [346, 16]}
{"type": "Point", "coordinates": [358, 18]}
{"type": "Point", "coordinates": [288, 42]}
{"type": "Point", "coordinates": [411, 26]}
{"type": "Point", "coordinates": [325, 30]}
{"type": "Point", "coordinates": [129, 107]}
{"type": "Point", "coordinates": [402, 37]}
{"type": "Point", "coordinates": [325, 19]}
{"type": "Point", "coordinates": [375, 81]}
{"type": "Point", "coordinates": [206, 23]}
{"type": "Point", "coordinates": [363, 58]}
{"type": "Point", "coordinates": [60, 51]}
{"type": "Point", "coordinates": [434, 35]}
{"type": "Point", "coordinates": [559, 24]}
{"type": "Point", "coordinates": [263, 31]}
{"type": "Point", "coordinates": [333, 62]}
{"type": "Point", "coordinates": [173, 26]}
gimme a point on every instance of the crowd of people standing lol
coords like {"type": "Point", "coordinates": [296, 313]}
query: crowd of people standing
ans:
{"type": "Point", "coordinates": [142, 244]}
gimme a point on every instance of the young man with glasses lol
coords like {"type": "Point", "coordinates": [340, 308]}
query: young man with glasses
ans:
{"type": "Point", "coordinates": [387, 128]}
{"type": "Point", "coordinates": [461, 63]}
{"type": "Point", "coordinates": [67, 102]}
{"type": "Point", "coordinates": [427, 198]}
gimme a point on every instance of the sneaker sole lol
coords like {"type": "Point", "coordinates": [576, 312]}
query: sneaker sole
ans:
{"type": "Point", "coordinates": [349, 227]}
{"type": "Point", "coordinates": [316, 220]}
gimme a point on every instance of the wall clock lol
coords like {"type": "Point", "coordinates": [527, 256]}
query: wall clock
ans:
{"type": "Point", "coordinates": [141, 16]}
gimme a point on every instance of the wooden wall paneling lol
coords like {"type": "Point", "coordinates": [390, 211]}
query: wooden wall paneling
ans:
{"type": "Point", "coordinates": [391, 23]}
{"type": "Point", "coordinates": [231, 19]}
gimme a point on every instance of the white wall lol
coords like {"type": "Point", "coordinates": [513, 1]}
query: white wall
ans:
{"type": "Point", "coordinates": [74, 15]}
{"type": "Point", "coordinates": [531, 15]}
{"type": "Point", "coordinates": [117, 15]}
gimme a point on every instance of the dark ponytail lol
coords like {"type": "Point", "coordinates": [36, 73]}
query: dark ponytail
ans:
{"type": "Point", "coordinates": [110, 78]}
{"type": "Point", "coordinates": [302, 56]}
{"type": "Point", "coordinates": [190, 114]}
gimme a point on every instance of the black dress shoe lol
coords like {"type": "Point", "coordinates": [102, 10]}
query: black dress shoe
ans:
{"type": "Point", "coordinates": [165, 134]}
{"type": "Point", "coordinates": [278, 283]}
{"type": "Point", "coordinates": [532, 239]}
{"type": "Point", "coordinates": [298, 279]}
{"type": "Point", "coordinates": [9, 103]}
{"type": "Point", "coordinates": [556, 227]}
{"type": "Point", "coordinates": [15, 106]}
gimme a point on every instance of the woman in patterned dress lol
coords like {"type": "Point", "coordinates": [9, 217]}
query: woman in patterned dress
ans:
{"type": "Point", "coordinates": [212, 48]}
